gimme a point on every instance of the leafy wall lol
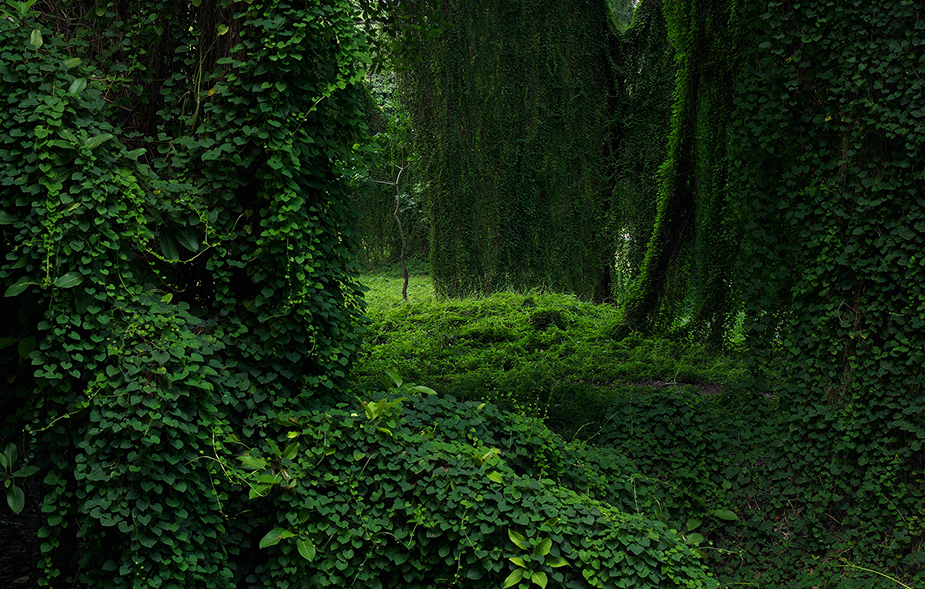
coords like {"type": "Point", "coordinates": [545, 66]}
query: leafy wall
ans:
{"type": "Point", "coordinates": [828, 173]}
{"type": "Point", "coordinates": [510, 111]}
{"type": "Point", "coordinates": [177, 251]}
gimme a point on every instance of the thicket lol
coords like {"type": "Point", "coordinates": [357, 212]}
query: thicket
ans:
{"type": "Point", "coordinates": [177, 268]}
{"type": "Point", "coordinates": [790, 194]}
{"type": "Point", "coordinates": [828, 174]}
{"type": "Point", "coordinates": [180, 262]}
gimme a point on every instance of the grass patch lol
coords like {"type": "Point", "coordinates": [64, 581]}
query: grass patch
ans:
{"type": "Point", "coordinates": [545, 354]}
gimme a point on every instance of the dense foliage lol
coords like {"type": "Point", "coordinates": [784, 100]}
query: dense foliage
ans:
{"type": "Point", "coordinates": [178, 261]}
{"type": "Point", "coordinates": [177, 253]}
{"type": "Point", "coordinates": [828, 174]}
{"type": "Point", "coordinates": [685, 274]}
{"type": "Point", "coordinates": [421, 490]}
{"type": "Point", "coordinates": [511, 121]}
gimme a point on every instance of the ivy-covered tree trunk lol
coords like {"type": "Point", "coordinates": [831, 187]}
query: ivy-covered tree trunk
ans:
{"type": "Point", "coordinates": [828, 170]}
{"type": "Point", "coordinates": [178, 269]}
{"type": "Point", "coordinates": [644, 85]}
{"type": "Point", "coordinates": [511, 113]}
{"type": "Point", "coordinates": [685, 278]}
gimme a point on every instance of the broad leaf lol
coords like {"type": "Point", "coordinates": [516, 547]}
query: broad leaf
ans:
{"type": "Point", "coordinates": [94, 142]}
{"type": "Point", "coordinates": [169, 246]}
{"type": "Point", "coordinates": [724, 514]}
{"type": "Point", "coordinates": [306, 549]}
{"type": "Point", "coordinates": [187, 238]}
{"type": "Point", "coordinates": [513, 578]}
{"type": "Point", "coordinates": [35, 39]}
{"type": "Point", "coordinates": [69, 280]}
{"type": "Point", "coordinates": [539, 577]}
{"type": "Point", "coordinates": [274, 536]}
{"type": "Point", "coordinates": [291, 450]}
{"type": "Point", "coordinates": [11, 454]}
{"type": "Point", "coordinates": [252, 463]}
{"type": "Point", "coordinates": [17, 289]}
{"type": "Point", "coordinates": [556, 561]}
{"type": "Point", "coordinates": [518, 539]}
{"type": "Point", "coordinates": [543, 548]}
{"type": "Point", "coordinates": [26, 472]}
{"type": "Point", "coordinates": [7, 219]}
{"type": "Point", "coordinates": [15, 499]}
{"type": "Point", "coordinates": [77, 86]}
{"type": "Point", "coordinates": [496, 477]}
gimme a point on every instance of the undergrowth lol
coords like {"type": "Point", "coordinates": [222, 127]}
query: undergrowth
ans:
{"type": "Point", "coordinates": [658, 427]}
{"type": "Point", "coordinates": [545, 354]}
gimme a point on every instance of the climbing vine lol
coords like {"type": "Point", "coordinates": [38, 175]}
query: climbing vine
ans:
{"type": "Point", "coordinates": [507, 111]}
{"type": "Point", "coordinates": [828, 176]}
{"type": "Point", "coordinates": [177, 248]}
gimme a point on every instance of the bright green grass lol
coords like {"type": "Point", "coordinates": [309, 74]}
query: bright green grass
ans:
{"type": "Point", "coordinates": [542, 353]}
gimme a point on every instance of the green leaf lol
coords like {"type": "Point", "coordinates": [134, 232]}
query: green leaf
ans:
{"type": "Point", "coordinates": [187, 238]}
{"type": "Point", "coordinates": [693, 523]}
{"type": "Point", "coordinates": [306, 549]}
{"type": "Point", "coordinates": [291, 450]}
{"type": "Point", "coordinates": [543, 548]}
{"type": "Point", "coordinates": [7, 219]}
{"type": "Point", "coordinates": [15, 499]}
{"type": "Point", "coordinates": [550, 522]}
{"type": "Point", "coordinates": [6, 342]}
{"type": "Point", "coordinates": [513, 578]}
{"type": "Point", "coordinates": [3, 462]}
{"type": "Point", "coordinates": [35, 39]}
{"type": "Point", "coordinates": [517, 539]}
{"type": "Point", "coordinates": [274, 536]}
{"type": "Point", "coordinates": [496, 477]}
{"type": "Point", "coordinates": [518, 561]}
{"type": "Point", "coordinates": [221, 30]}
{"type": "Point", "coordinates": [69, 280]}
{"type": "Point", "coordinates": [135, 153]}
{"type": "Point", "coordinates": [77, 86]}
{"type": "Point", "coordinates": [72, 62]}
{"type": "Point", "coordinates": [252, 463]}
{"type": "Point", "coordinates": [724, 514]}
{"type": "Point", "coordinates": [17, 289]}
{"type": "Point", "coordinates": [556, 562]}
{"type": "Point", "coordinates": [169, 246]}
{"type": "Point", "coordinates": [539, 577]}
{"type": "Point", "coordinates": [26, 347]}
{"type": "Point", "coordinates": [11, 454]}
{"type": "Point", "coordinates": [390, 380]}
{"type": "Point", "coordinates": [94, 142]}
{"type": "Point", "coordinates": [26, 472]}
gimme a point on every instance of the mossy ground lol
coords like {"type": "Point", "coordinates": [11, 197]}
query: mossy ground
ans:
{"type": "Point", "coordinates": [545, 354]}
